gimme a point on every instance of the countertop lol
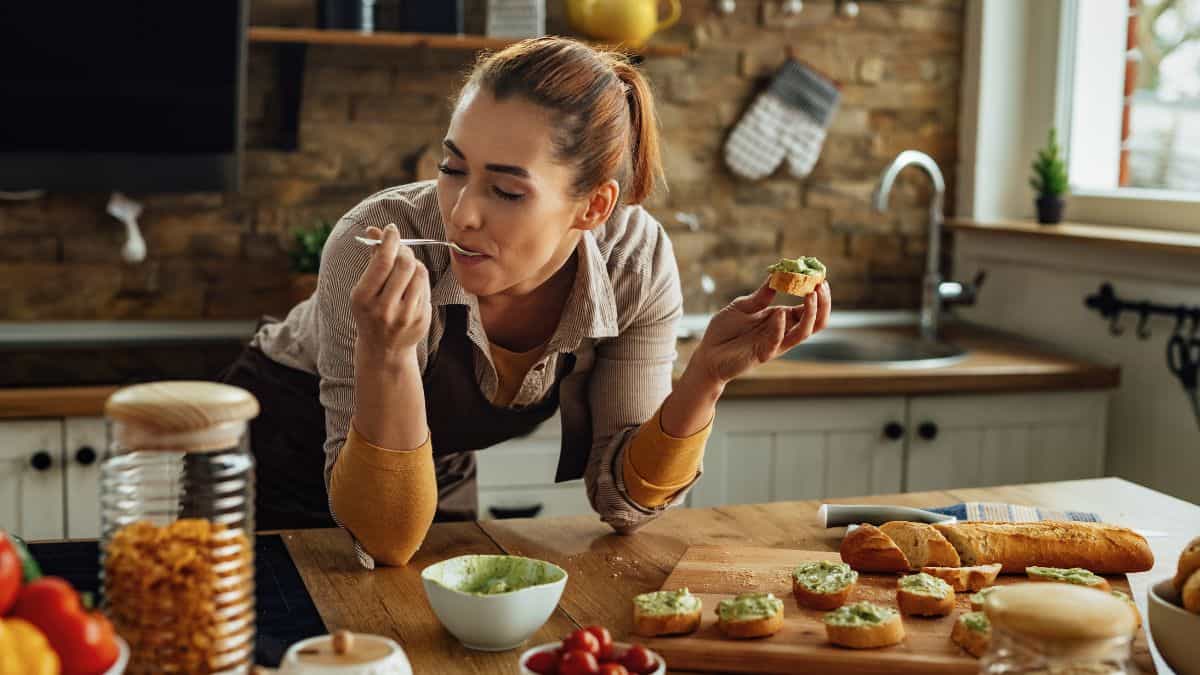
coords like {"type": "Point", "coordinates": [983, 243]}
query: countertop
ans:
{"type": "Point", "coordinates": [606, 570]}
{"type": "Point", "coordinates": [995, 363]}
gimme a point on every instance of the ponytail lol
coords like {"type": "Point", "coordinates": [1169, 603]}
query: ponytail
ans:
{"type": "Point", "coordinates": [645, 161]}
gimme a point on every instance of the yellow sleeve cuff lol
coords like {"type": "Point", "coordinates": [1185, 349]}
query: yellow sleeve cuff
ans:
{"type": "Point", "coordinates": [657, 465]}
{"type": "Point", "coordinates": [380, 457]}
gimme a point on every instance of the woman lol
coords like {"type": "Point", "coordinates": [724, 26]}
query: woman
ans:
{"type": "Point", "coordinates": [416, 357]}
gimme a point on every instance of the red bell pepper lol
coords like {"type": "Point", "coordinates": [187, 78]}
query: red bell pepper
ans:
{"type": "Point", "coordinates": [10, 574]}
{"type": "Point", "coordinates": [84, 640]}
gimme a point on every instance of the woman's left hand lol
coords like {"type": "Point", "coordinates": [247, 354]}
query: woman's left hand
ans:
{"type": "Point", "coordinates": [748, 332]}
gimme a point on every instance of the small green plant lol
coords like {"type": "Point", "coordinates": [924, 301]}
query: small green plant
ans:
{"type": "Point", "coordinates": [306, 254]}
{"type": "Point", "coordinates": [1049, 170]}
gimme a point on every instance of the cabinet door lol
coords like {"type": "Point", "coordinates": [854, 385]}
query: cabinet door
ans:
{"type": "Point", "coordinates": [980, 440]}
{"type": "Point", "coordinates": [85, 441]}
{"type": "Point", "coordinates": [777, 449]}
{"type": "Point", "coordinates": [31, 482]}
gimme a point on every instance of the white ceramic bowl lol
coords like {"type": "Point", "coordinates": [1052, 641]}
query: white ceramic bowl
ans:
{"type": "Point", "coordinates": [618, 648]}
{"type": "Point", "coordinates": [118, 666]}
{"type": "Point", "coordinates": [499, 621]}
{"type": "Point", "coordinates": [1174, 629]}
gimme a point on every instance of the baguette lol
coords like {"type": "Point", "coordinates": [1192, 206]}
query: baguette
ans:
{"type": "Point", "coordinates": [750, 615]}
{"type": "Point", "coordinates": [1075, 575]}
{"type": "Point", "coordinates": [1189, 562]}
{"type": "Point", "coordinates": [922, 544]}
{"type": "Point", "coordinates": [795, 284]}
{"type": "Point", "coordinates": [924, 595]}
{"type": "Point", "coordinates": [1191, 593]}
{"type": "Point", "coordinates": [864, 625]}
{"type": "Point", "coordinates": [1104, 549]}
{"type": "Point", "coordinates": [973, 632]}
{"type": "Point", "coordinates": [867, 549]}
{"type": "Point", "coordinates": [964, 579]}
{"type": "Point", "coordinates": [666, 613]}
{"type": "Point", "coordinates": [822, 584]}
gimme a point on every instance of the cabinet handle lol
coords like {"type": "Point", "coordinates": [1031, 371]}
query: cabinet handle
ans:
{"type": "Point", "coordinates": [927, 430]}
{"type": "Point", "coordinates": [85, 455]}
{"type": "Point", "coordinates": [41, 460]}
{"type": "Point", "coordinates": [893, 431]}
{"type": "Point", "coordinates": [515, 512]}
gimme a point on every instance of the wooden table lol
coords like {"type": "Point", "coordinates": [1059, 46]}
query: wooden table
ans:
{"type": "Point", "coordinates": [607, 570]}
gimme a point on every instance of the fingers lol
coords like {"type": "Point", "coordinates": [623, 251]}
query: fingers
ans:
{"type": "Point", "coordinates": [804, 327]}
{"type": "Point", "coordinates": [383, 257]}
{"type": "Point", "coordinates": [770, 334]}
{"type": "Point", "coordinates": [416, 297]}
{"type": "Point", "coordinates": [825, 303]}
{"type": "Point", "coordinates": [392, 296]}
{"type": "Point", "coordinates": [756, 301]}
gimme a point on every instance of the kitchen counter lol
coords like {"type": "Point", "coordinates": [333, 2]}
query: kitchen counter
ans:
{"type": "Point", "coordinates": [995, 363]}
{"type": "Point", "coordinates": [606, 570]}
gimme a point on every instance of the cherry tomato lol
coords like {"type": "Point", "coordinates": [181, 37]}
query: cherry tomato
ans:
{"type": "Point", "coordinates": [576, 662]}
{"type": "Point", "coordinates": [583, 641]}
{"type": "Point", "coordinates": [613, 669]}
{"type": "Point", "coordinates": [638, 660]}
{"type": "Point", "coordinates": [605, 640]}
{"type": "Point", "coordinates": [543, 663]}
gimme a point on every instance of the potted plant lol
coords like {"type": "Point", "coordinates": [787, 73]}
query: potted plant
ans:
{"type": "Point", "coordinates": [306, 260]}
{"type": "Point", "coordinates": [1050, 181]}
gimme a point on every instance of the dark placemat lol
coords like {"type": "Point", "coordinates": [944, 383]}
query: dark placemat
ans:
{"type": "Point", "coordinates": [284, 611]}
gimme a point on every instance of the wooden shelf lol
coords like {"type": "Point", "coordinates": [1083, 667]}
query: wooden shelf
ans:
{"type": "Point", "coordinates": [1108, 235]}
{"type": "Point", "coordinates": [313, 36]}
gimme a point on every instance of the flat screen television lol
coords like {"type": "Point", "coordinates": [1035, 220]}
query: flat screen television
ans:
{"type": "Point", "coordinates": [137, 95]}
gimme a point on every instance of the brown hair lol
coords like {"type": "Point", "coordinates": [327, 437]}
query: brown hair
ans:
{"type": "Point", "coordinates": [605, 122]}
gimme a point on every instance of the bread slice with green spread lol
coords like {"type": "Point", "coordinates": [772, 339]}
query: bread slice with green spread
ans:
{"type": "Point", "coordinates": [924, 595]}
{"type": "Point", "coordinates": [821, 584]}
{"type": "Point", "coordinates": [864, 625]}
{"type": "Point", "coordinates": [972, 631]}
{"type": "Point", "coordinates": [798, 276]}
{"type": "Point", "coordinates": [1068, 575]}
{"type": "Point", "coordinates": [666, 613]}
{"type": "Point", "coordinates": [1137, 616]}
{"type": "Point", "coordinates": [977, 599]}
{"type": "Point", "coordinates": [750, 615]}
{"type": "Point", "coordinates": [964, 579]}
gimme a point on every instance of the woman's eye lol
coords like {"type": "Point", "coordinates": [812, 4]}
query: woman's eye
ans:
{"type": "Point", "coordinates": [445, 168]}
{"type": "Point", "coordinates": [510, 196]}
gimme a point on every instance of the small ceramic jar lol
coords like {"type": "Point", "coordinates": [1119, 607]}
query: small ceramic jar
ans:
{"type": "Point", "coordinates": [345, 653]}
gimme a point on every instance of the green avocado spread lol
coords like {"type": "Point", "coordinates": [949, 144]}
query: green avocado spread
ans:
{"type": "Point", "coordinates": [750, 606]}
{"type": "Point", "coordinates": [924, 584]}
{"type": "Point", "coordinates": [859, 614]}
{"type": "Point", "coordinates": [823, 576]}
{"type": "Point", "coordinates": [1122, 595]}
{"type": "Point", "coordinates": [1071, 575]}
{"type": "Point", "coordinates": [492, 574]}
{"type": "Point", "coordinates": [976, 621]}
{"type": "Point", "coordinates": [801, 265]}
{"type": "Point", "coordinates": [978, 598]}
{"type": "Point", "coordinates": [667, 602]}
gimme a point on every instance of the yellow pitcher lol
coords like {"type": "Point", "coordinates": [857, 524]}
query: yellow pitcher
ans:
{"type": "Point", "coordinates": [625, 22]}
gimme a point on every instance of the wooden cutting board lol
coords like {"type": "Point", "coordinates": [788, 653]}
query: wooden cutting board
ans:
{"type": "Point", "coordinates": [714, 573]}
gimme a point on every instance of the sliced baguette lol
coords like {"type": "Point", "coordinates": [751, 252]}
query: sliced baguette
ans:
{"type": "Point", "coordinates": [1132, 606]}
{"type": "Point", "coordinates": [966, 579]}
{"type": "Point", "coordinates": [1189, 562]}
{"type": "Point", "coordinates": [1054, 575]}
{"type": "Point", "coordinates": [913, 603]}
{"type": "Point", "coordinates": [796, 284]}
{"type": "Point", "coordinates": [979, 597]}
{"type": "Point", "coordinates": [822, 572]}
{"type": "Point", "coordinates": [1104, 549]}
{"type": "Point", "coordinates": [922, 544]}
{"type": "Point", "coordinates": [750, 627]}
{"type": "Point", "coordinates": [889, 631]}
{"type": "Point", "coordinates": [867, 549]}
{"type": "Point", "coordinates": [975, 642]}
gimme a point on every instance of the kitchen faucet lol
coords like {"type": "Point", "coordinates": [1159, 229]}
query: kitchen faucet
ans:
{"type": "Point", "coordinates": [934, 291]}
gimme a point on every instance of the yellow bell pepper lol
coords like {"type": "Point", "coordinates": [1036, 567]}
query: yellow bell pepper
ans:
{"type": "Point", "coordinates": [24, 650]}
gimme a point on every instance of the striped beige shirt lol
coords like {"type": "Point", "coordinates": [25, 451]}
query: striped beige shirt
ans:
{"type": "Point", "coordinates": [619, 322]}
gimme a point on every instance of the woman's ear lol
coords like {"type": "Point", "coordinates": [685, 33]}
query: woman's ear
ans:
{"type": "Point", "coordinates": [599, 206]}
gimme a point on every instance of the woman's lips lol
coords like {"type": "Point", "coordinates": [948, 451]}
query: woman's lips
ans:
{"type": "Point", "coordinates": [469, 259]}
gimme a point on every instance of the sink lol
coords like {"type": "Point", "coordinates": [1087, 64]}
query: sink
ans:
{"type": "Point", "coordinates": [880, 348]}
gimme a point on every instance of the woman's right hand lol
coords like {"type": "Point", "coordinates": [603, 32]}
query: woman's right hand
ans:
{"type": "Point", "coordinates": [390, 302]}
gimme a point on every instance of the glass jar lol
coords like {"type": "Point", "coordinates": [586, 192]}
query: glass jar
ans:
{"type": "Point", "coordinates": [177, 527]}
{"type": "Point", "coordinates": [1058, 629]}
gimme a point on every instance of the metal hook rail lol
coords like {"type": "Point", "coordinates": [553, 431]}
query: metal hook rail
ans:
{"type": "Point", "coordinates": [1106, 302]}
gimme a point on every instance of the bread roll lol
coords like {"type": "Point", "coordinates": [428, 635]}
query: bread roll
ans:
{"type": "Point", "coordinates": [1103, 549]}
{"type": "Point", "coordinates": [1189, 561]}
{"type": "Point", "coordinates": [922, 544]}
{"type": "Point", "coordinates": [867, 549]}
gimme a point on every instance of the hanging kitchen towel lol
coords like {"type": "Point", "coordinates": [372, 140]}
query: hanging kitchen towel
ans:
{"type": "Point", "coordinates": [1011, 512]}
{"type": "Point", "coordinates": [789, 120]}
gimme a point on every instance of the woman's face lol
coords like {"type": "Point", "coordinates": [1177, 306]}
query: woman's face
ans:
{"type": "Point", "coordinates": [502, 194]}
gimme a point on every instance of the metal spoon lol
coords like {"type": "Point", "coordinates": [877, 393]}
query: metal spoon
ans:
{"type": "Point", "coordinates": [419, 242]}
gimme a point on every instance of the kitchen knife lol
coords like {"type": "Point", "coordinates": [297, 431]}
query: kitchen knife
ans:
{"type": "Point", "coordinates": [841, 515]}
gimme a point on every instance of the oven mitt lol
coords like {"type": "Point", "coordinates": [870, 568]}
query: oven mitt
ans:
{"type": "Point", "coordinates": [789, 120]}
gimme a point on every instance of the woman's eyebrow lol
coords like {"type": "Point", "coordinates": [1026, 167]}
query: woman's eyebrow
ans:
{"type": "Point", "coordinates": [498, 168]}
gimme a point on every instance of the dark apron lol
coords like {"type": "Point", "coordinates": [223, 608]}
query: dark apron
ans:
{"type": "Point", "coordinates": [288, 436]}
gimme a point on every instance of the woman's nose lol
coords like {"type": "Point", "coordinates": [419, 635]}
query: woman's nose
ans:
{"type": "Point", "coordinates": [466, 213]}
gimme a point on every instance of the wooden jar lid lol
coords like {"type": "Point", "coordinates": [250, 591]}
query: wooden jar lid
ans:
{"type": "Point", "coordinates": [1059, 613]}
{"type": "Point", "coordinates": [184, 415]}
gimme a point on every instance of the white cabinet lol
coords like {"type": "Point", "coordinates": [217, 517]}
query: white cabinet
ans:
{"type": "Point", "coordinates": [85, 444]}
{"type": "Point", "coordinates": [980, 440]}
{"type": "Point", "coordinates": [516, 478]}
{"type": "Point", "coordinates": [31, 481]}
{"type": "Point", "coordinates": [764, 450]}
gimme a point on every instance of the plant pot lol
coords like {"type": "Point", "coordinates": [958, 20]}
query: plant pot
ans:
{"type": "Point", "coordinates": [1049, 209]}
{"type": "Point", "coordinates": [302, 286]}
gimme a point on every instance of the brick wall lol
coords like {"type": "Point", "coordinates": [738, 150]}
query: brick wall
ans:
{"type": "Point", "coordinates": [367, 114]}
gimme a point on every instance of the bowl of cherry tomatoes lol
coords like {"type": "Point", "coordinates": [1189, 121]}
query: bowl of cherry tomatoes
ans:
{"type": "Point", "coordinates": [591, 651]}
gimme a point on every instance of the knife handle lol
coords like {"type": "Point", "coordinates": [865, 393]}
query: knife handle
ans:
{"type": "Point", "coordinates": [840, 515]}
